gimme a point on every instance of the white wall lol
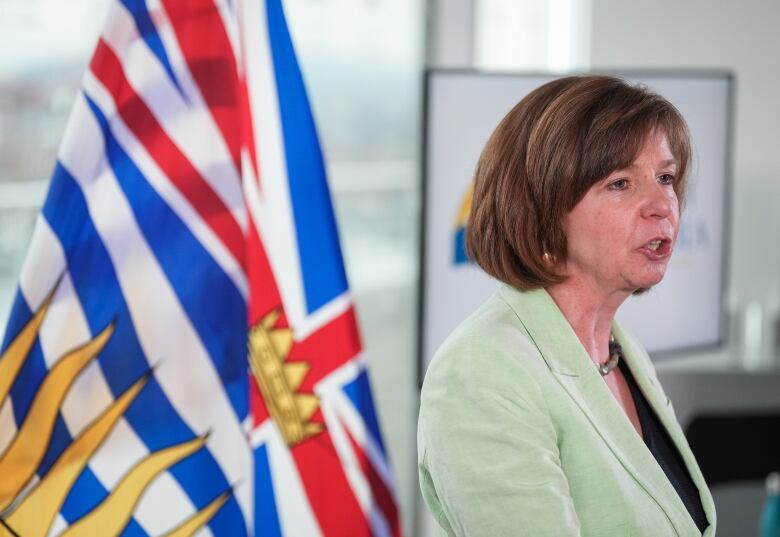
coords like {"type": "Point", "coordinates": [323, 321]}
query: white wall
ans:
{"type": "Point", "coordinates": [743, 37]}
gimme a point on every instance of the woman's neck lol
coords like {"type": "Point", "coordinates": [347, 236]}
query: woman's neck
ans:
{"type": "Point", "coordinates": [590, 312]}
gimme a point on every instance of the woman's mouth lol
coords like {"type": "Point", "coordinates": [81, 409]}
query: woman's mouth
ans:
{"type": "Point", "coordinates": [657, 249]}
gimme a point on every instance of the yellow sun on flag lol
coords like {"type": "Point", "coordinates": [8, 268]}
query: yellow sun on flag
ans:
{"type": "Point", "coordinates": [28, 507]}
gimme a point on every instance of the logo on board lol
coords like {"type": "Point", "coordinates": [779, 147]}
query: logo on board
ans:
{"type": "Point", "coordinates": [459, 256]}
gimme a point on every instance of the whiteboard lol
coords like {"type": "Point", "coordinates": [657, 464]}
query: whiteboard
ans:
{"type": "Point", "coordinates": [686, 310]}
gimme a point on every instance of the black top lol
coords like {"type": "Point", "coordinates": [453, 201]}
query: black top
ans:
{"type": "Point", "coordinates": [661, 446]}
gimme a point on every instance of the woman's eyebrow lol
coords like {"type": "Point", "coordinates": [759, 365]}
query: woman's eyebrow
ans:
{"type": "Point", "coordinates": [662, 164]}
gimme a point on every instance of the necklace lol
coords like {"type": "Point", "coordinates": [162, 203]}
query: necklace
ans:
{"type": "Point", "coordinates": [615, 352]}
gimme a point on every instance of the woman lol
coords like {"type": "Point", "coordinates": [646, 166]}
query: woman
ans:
{"type": "Point", "coordinates": [539, 414]}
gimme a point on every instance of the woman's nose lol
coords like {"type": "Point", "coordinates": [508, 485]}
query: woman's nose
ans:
{"type": "Point", "coordinates": [660, 201]}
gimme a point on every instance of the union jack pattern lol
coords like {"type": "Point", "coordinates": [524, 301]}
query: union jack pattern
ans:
{"type": "Point", "coordinates": [182, 355]}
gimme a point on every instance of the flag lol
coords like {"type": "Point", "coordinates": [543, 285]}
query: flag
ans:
{"type": "Point", "coordinates": [321, 466]}
{"type": "Point", "coordinates": [182, 354]}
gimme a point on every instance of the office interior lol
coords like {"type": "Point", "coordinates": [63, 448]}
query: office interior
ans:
{"type": "Point", "coordinates": [365, 65]}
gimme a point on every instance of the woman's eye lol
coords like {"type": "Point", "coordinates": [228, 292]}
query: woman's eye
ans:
{"type": "Point", "coordinates": [619, 184]}
{"type": "Point", "coordinates": [666, 179]}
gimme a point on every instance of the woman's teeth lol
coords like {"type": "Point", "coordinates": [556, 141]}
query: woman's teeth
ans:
{"type": "Point", "coordinates": [654, 245]}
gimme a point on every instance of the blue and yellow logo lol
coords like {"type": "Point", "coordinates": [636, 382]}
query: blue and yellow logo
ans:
{"type": "Point", "coordinates": [459, 256]}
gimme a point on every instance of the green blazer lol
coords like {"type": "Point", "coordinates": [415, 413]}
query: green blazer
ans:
{"type": "Point", "coordinates": [519, 435]}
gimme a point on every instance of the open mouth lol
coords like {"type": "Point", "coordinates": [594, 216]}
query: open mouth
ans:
{"type": "Point", "coordinates": [654, 245]}
{"type": "Point", "coordinates": [658, 248]}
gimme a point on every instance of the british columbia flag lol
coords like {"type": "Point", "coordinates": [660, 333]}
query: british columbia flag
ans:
{"type": "Point", "coordinates": [182, 356]}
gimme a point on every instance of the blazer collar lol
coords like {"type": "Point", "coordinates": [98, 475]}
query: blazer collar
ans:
{"type": "Point", "coordinates": [567, 359]}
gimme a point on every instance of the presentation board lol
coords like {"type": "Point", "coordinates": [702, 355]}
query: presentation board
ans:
{"type": "Point", "coordinates": [682, 312]}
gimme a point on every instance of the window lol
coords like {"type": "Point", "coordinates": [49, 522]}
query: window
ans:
{"type": "Point", "coordinates": [532, 35]}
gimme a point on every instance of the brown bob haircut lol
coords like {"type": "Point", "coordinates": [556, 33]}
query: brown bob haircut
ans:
{"type": "Point", "coordinates": [544, 156]}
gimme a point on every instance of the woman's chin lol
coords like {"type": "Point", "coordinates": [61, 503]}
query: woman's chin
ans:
{"type": "Point", "coordinates": [648, 279]}
{"type": "Point", "coordinates": [649, 282]}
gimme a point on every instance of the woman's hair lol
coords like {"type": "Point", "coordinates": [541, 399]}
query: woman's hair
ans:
{"type": "Point", "coordinates": [544, 156]}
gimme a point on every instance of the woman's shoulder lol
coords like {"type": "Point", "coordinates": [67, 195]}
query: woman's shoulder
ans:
{"type": "Point", "coordinates": [490, 344]}
{"type": "Point", "coordinates": [487, 375]}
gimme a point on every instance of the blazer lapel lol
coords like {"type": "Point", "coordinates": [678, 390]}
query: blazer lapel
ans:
{"type": "Point", "coordinates": [568, 361]}
{"type": "Point", "coordinates": [637, 358]}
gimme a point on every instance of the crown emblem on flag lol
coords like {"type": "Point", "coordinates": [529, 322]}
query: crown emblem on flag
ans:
{"type": "Point", "coordinates": [279, 380]}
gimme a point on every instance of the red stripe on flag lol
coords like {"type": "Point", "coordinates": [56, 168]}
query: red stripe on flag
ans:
{"type": "Point", "coordinates": [263, 292]}
{"type": "Point", "coordinates": [209, 55]}
{"type": "Point", "coordinates": [330, 495]}
{"type": "Point", "coordinates": [263, 298]}
{"type": "Point", "coordinates": [248, 129]}
{"type": "Point", "coordinates": [328, 348]}
{"type": "Point", "coordinates": [379, 490]}
{"type": "Point", "coordinates": [105, 65]}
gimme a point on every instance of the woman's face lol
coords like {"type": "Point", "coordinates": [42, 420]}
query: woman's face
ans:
{"type": "Point", "coordinates": [620, 236]}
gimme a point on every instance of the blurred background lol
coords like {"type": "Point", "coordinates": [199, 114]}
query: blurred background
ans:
{"type": "Point", "coordinates": [364, 62]}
